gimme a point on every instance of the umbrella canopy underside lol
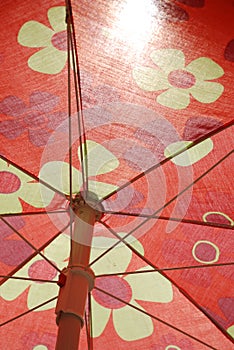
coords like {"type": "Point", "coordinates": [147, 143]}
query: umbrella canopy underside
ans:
{"type": "Point", "coordinates": [131, 100]}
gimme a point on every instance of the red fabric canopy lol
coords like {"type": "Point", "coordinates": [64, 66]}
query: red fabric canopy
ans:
{"type": "Point", "coordinates": [148, 121]}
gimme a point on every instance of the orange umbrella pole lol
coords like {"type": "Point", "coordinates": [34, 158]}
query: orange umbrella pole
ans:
{"type": "Point", "coordinates": [77, 279]}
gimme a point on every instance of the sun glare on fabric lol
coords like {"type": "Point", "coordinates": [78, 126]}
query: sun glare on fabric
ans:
{"type": "Point", "coordinates": [135, 22]}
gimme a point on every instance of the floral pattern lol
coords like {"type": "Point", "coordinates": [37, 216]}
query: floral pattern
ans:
{"type": "Point", "coordinates": [226, 306]}
{"type": "Point", "coordinates": [52, 58]}
{"type": "Point", "coordinates": [10, 246]}
{"type": "Point", "coordinates": [171, 342]}
{"type": "Point", "coordinates": [205, 248]}
{"type": "Point", "coordinates": [229, 51]}
{"type": "Point", "coordinates": [130, 324]}
{"type": "Point", "coordinates": [93, 94]}
{"type": "Point", "coordinates": [100, 161]}
{"type": "Point", "coordinates": [198, 249]}
{"type": "Point", "coordinates": [190, 156]}
{"type": "Point", "coordinates": [35, 341]}
{"type": "Point", "coordinates": [16, 185]}
{"type": "Point", "coordinates": [230, 331]}
{"type": "Point", "coordinates": [180, 81]}
{"type": "Point", "coordinates": [171, 12]}
{"type": "Point", "coordinates": [39, 56]}
{"type": "Point", "coordinates": [165, 141]}
{"type": "Point", "coordinates": [129, 289]}
{"type": "Point", "coordinates": [38, 118]}
{"type": "Point", "coordinates": [57, 252]}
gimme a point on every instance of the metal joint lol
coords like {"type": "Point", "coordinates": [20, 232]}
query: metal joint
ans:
{"type": "Point", "coordinates": [82, 201]}
{"type": "Point", "coordinates": [78, 281]}
{"type": "Point", "coordinates": [85, 271]}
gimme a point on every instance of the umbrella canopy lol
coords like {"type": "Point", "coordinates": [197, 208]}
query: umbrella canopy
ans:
{"type": "Point", "coordinates": [131, 102]}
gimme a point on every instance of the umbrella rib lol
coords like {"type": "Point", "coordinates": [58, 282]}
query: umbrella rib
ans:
{"type": "Point", "coordinates": [78, 95]}
{"type": "Point", "coordinates": [90, 321]}
{"type": "Point", "coordinates": [30, 244]}
{"type": "Point", "coordinates": [121, 239]}
{"type": "Point", "coordinates": [28, 311]}
{"type": "Point", "coordinates": [69, 125]}
{"type": "Point", "coordinates": [78, 98]}
{"type": "Point", "coordinates": [164, 269]}
{"type": "Point", "coordinates": [69, 110]}
{"type": "Point", "coordinates": [88, 324]}
{"type": "Point", "coordinates": [136, 252]}
{"type": "Point", "coordinates": [28, 279]}
{"type": "Point", "coordinates": [87, 329]}
{"type": "Point", "coordinates": [31, 175]}
{"type": "Point", "coordinates": [164, 161]}
{"type": "Point", "coordinates": [155, 317]}
{"type": "Point", "coordinates": [34, 254]}
{"type": "Point", "coordinates": [166, 218]}
{"type": "Point", "coordinates": [30, 213]}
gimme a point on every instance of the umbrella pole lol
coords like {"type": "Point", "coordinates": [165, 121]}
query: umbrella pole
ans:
{"type": "Point", "coordinates": [77, 279]}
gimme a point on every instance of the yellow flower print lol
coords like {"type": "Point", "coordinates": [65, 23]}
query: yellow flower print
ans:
{"type": "Point", "coordinates": [100, 161]}
{"type": "Point", "coordinates": [52, 57]}
{"type": "Point", "coordinates": [15, 184]}
{"type": "Point", "coordinates": [57, 252]}
{"type": "Point", "coordinates": [180, 81]}
{"type": "Point", "coordinates": [129, 323]}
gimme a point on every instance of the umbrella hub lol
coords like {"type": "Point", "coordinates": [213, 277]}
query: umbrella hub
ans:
{"type": "Point", "coordinates": [86, 201]}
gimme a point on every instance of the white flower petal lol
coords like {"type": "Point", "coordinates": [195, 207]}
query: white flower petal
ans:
{"type": "Point", "coordinates": [150, 286]}
{"type": "Point", "coordinates": [59, 250]}
{"type": "Point", "coordinates": [131, 324]}
{"type": "Point", "coordinates": [34, 34]}
{"type": "Point", "coordinates": [10, 203]}
{"type": "Point", "coordinates": [100, 160]}
{"type": "Point", "coordinates": [40, 347]}
{"type": "Point", "coordinates": [192, 155]}
{"type": "Point", "coordinates": [205, 69]}
{"type": "Point", "coordinates": [100, 317]}
{"type": "Point", "coordinates": [117, 260]}
{"type": "Point", "coordinates": [230, 330]}
{"type": "Point", "coordinates": [48, 60]}
{"type": "Point", "coordinates": [56, 174]}
{"type": "Point", "coordinates": [35, 195]}
{"type": "Point", "coordinates": [150, 79]}
{"type": "Point", "coordinates": [39, 293]}
{"type": "Point", "coordinates": [135, 244]}
{"type": "Point", "coordinates": [174, 98]}
{"type": "Point", "coordinates": [104, 243]}
{"type": "Point", "coordinates": [206, 92]}
{"type": "Point", "coordinates": [168, 59]}
{"type": "Point", "coordinates": [57, 17]}
{"type": "Point", "coordinates": [12, 288]}
{"type": "Point", "coordinates": [3, 165]}
{"type": "Point", "coordinates": [101, 189]}
{"type": "Point", "coordinates": [11, 169]}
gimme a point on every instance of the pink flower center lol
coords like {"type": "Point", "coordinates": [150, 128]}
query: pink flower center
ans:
{"type": "Point", "coordinates": [42, 270]}
{"type": "Point", "coordinates": [181, 79]}
{"type": "Point", "coordinates": [9, 183]}
{"type": "Point", "coordinates": [59, 40]}
{"type": "Point", "coordinates": [205, 252]}
{"type": "Point", "coordinates": [218, 218]}
{"type": "Point", "coordinates": [116, 286]}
